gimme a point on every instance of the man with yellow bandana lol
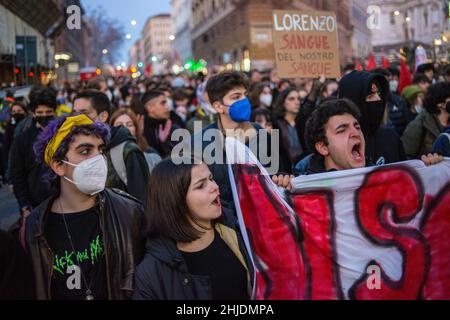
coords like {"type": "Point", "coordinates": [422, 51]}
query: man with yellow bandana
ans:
{"type": "Point", "coordinates": [85, 240]}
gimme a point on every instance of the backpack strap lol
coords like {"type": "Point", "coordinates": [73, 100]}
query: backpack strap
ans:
{"type": "Point", "coordinates": [118, 162]}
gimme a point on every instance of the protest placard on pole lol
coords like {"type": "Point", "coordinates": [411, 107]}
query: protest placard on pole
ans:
{"type": "Point", "coordinates": [306, 44]}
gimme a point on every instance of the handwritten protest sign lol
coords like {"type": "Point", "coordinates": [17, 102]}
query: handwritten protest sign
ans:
{"type": "Point", "coordinates": [379, 233]}
{"type": "Point", "coordinates": [306, 44]}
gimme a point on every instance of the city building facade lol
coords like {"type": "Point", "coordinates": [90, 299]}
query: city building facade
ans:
{"type": "Point", "coordinates": [156, 35]}
{"type": "Point", "coordinates": [237, 34]}
{"type": "Point", "coordinates": [26, 48]}
{"type": "Point", "coordinates": [182, 24]}
{"type": "Point", "coordinates": [410, 23]}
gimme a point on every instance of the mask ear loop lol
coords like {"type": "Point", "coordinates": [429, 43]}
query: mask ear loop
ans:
{"type": "Point", "coordinates": [73, 165]}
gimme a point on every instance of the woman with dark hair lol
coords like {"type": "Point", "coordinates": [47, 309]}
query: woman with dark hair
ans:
{"type": "Point", "coordinates": [127, 118]}
{"type": "Point", "coordinates": [261, 96]}
{"type": "Point", "coordinates": [287, 111]}
{"type": "Point", "coordinates": [190, 254]}
{"type": "Point", "coordinates": [423, 131]}
{"type": "Point", "coordinates": [263, 117]}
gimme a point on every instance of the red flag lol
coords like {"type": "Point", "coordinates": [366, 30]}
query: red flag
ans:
{"type": "Point", "coordinates": [371, 64]}
{"type": "Point", "coordinates": [385, 63]}
{"type": "Point", "coordinates": [148, 70]}
{"type": "Point", "coordinates": [405, 73]}
{"type": "Point", "coordinates": [358, 66]}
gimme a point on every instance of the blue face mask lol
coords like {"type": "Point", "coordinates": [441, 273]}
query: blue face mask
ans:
{"type": "Point", "coordinates": [241, 110]}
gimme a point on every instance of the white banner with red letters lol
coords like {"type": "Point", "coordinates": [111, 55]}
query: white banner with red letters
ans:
{"type": "Point", "coordinates": [367, 234]}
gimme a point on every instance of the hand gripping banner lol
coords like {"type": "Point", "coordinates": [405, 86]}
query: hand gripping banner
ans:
{"type": "Point", "coordinates": [375, 233]}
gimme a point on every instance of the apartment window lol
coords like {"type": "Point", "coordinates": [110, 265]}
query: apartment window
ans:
{"type": "Point", "coordinates": [425, 16]}
{"type": "Point", "coordinates": [392, 18]}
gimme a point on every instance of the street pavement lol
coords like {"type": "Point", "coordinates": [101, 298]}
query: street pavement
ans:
{"type": "Point", "coordinates": [9, 210]}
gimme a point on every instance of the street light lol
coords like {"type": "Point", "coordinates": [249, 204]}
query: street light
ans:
{"type": "Point", "coordinates": [154, 59]}
{"type": "Point", "coordinates": [396, 13]}
{"type": "Point", "coordinates": [62, 56]}
{"type": "Point", "coordinates": [171, 37]}
{"type": "Point", "coordinates": [407, 19]}
{"type": "Point", "coordinates": [133, 22]}
{"type": "Point", "coordinates": [105, 51]}
{"type": "Point", "coordinates": [61, 59]}
{"type": "Point", "coordinates": [128, 36]}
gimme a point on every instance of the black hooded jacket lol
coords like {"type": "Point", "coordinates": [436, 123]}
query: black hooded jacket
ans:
{"type": "Point", "coordinates": [27, 175]}
{"type": "Point", "coordinates": [383, 144]}
{"type": "Point", "coordinates": [135, 163]}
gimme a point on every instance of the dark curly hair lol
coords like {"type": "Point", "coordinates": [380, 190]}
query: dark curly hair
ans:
{"type": "Point", "coordinates": [97, 129]}
{"type": "Point", "coordinates": [41, 96]}
{"type": "Point", "coordinates": [315, 127]}
{"type": "Point", "coordinates": [436, 94]}
{"type": "Point", "coordinates": [219, 85]}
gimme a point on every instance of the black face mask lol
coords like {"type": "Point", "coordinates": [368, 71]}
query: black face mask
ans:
{"type": "Point", "coordinates": [16, 118]}
{"type": "Point", "coordinates": [44, 120]}
{"type": "Point", "coordinates": [375, 113]}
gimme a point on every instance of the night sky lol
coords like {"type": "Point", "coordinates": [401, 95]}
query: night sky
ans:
{"type": "Point", "coordinates": [125, 11]}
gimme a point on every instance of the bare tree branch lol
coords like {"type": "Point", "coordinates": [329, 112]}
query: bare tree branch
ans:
{"type": "Point", "coordinates": [107, 34]}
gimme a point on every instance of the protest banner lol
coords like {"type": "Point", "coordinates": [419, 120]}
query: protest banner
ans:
{"type": "Point", "coordinates": [306, 44]}
{"type": "Point", "coordinates": [376, 233]}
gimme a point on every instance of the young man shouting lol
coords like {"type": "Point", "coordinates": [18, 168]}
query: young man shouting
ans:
{"type": "Point", "coordinates": [335, 135]}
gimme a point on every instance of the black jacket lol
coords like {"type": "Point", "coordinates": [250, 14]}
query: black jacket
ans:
{"type": "Point", "coordinates": [151, 133]}
{"type": "Point", "coordinates": [398, 113]}
{"type": "Point", "coordinates": [16, 273]}
{"type": "Point", "coordinates": [30, 188]}
{"type": "Point", "coordinates": [384, 146]}
{"type": "Point", "coordinates": [135, 163]}
{"type": "Point", "coordinates": [163, 274]}
{"type": "Point", "coordinates": [121, 221]}
{"type": "Point", "coordinates": [289, 155]}
{"type": "Point", "coordinates": [311, 164]}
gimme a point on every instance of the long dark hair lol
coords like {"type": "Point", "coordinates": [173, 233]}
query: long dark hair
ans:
{"type": "Point", "coordinates": [255, 92]}
{"type": "Point", "coordinates": [280, 110]}
{"type": "Point", "coordinates": [166, 208]}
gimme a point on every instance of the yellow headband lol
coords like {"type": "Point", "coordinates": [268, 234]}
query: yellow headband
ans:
{"type": "Point", "coordinates": [62, 133]}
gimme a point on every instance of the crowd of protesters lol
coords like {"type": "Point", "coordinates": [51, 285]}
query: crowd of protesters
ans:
{"type": "Point", "coordinates": [97, 187]}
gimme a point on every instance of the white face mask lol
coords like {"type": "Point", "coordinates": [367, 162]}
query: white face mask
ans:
{"type": "Point", "coordinates": [419, 109]}
{"type": "Point", "coordinates": [90, 175]}
{"type": "Point", "coordinates": [208, 108]}
{"type": "Point", "coordinates": [393, 85]}
{"type": "Point", "coordinates": [266, 99]}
